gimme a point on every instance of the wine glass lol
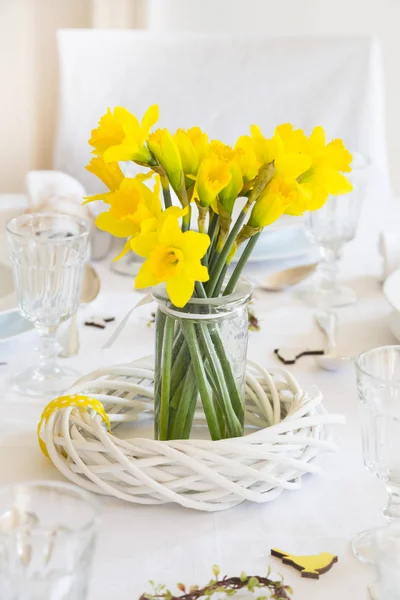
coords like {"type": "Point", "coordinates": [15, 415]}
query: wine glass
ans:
{"type": "Point", "coordinates": [332, 226]}
{"type": "Point", "coordinates": [48, 253]}
{"type": "Point", "coordinates": [378, 384]}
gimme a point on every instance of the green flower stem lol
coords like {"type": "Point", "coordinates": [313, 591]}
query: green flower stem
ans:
{"type": "Point", "coordinates": [235, 396]}
{"type": "Point", "coordinates": [241, 264]}
{"type": "Point", "coordinates": [180, 364]}
{"type": "Point", "coordinates": [186, 220]}
{"type": "Point", "coordinates": [233, 424]}
{"type": "Point", "coordinates": [217, 401]}
{"type": "Point", "coordinates": [213, 232]}
{"type": "Point", "coordinates": [220, 281]}
{"type": "Point", "coordinates": [160, 325]}
{"type": "Point", "coordinates": [166, 191]}
{"type": "Point", "coordinates": [184, 414]}
{"type": "Point", "coordinates": [212, 225]}
{"type": "Point", "coordinates": [263, 178]}
{"type": "Point", "coordinates": [201, 378]}
{"type": "Point", "coordinates": [200, 291]}
{"type": "Point", "coordinates": [166, 377]}
{"type": "Point", "coordinates": [221, 260]}
{"type": "Point", "coordinates": [192, 394]}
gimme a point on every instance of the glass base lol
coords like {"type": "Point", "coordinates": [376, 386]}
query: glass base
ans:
{"type": "Point", "coordinates": [128, 265]}
{"type": "Point", "coordinates": [341, 295]}
{"type": "Point", "coordinates": [45, 381]}
{"type": "Point", "coordinates": [363, 546]}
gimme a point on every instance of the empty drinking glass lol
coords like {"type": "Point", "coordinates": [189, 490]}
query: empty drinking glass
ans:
{"type": "Point", "coordinates": [378, 384]}
{"type": "Point", "coordinates": [48, 254]}
{"type": "Point", "coordinates": [387, 561]}
{"type": "Point", "coordinates": [331, 227]}
{"type": "Point", "coordinates": [47, 535]}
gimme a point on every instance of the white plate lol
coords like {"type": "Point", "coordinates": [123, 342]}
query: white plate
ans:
{"type": "Point", "coordinates": [12, 324]}
{"type": "Point", "coordinates": [391, 289]}
{"type": "Point", "coordinates": [281, 244]}
{"type": "Point", "coordinates": [7, 290]}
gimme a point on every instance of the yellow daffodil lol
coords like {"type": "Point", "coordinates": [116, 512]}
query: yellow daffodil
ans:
{"type": "Point", "coordinates": [120, 136]}
{"type": "Point", "coordinates": [147, 240]}
{"type": "Point", "coordinates": [325, 175]}
{"type": "Point", "coordinates": [228, 194]}
{"type": "Point", "coordinates": [280, 196]}
{"type": "Point", "coordinates": [176, 260]}
{"type": "Point", "coordinates": [192, 145]}
{"type": "Point", "coordinates": [110, 174]}
{"type": "Point", "coordinates": [213, 175]}
{"type": "Point", "coordinates": [165, 149]}
{"type": "Point", "coordinates": [133, 207]}
{"type": "Point", "coordinates": [110, 130]}
{"type": "Point", "coordinates": [283, 149]}
{"type": "Point", "coordinates": [247, 158]}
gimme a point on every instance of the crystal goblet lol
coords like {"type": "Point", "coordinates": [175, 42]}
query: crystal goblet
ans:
{"type": "Point", "coordinates": [332, 226]}
{"type": "Point", "coordinates": [378, 384]}
{"type": "Point", "coordinates": [48, 254]}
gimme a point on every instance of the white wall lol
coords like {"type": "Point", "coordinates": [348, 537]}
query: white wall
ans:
{"type": "Point", "coordinates": [28, 76]}
{"type": "Point", "coordinates": [297, 17]}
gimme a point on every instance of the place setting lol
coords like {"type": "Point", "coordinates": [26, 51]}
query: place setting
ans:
{"type": "Point", "coordinates": [200, 325]}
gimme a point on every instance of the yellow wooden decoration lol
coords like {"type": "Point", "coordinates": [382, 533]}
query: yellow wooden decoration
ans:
{"type": "Point", "coordinates": [310, 566]}
{"type": "Point", "coordinates": [82, 403]}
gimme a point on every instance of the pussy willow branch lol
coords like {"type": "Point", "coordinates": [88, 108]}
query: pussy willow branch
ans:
{"type": "Point", "coordinates": [279, 590]}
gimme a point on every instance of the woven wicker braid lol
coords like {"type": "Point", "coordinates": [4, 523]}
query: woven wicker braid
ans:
{"type": "Point", "coordinates": [285, 430]}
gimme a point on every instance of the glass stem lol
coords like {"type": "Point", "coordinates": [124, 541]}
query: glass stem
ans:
{"type": "Point", "coordinates": [392, 510]}
{"type": "Point", "coordinates": [328, 270]}
{"type": "Point", "coordinates": [48, 349]}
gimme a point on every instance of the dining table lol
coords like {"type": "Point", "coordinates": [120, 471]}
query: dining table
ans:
{"type": "Point", "coordinates": [170, 544]}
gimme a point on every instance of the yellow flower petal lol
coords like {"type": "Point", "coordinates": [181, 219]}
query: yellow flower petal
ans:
{"type": "Point", "coordinates": [195, 244]}
{"type": "Point", "coordinates": [106, 222]}
{"type": "Point", "coordinates": [144, 244]}
{"type": "Point", "coordinates": [110, 174]}
{"type": "Point", "coordinates": [150, 118]}
{"type": "Point", "coordinates": [338, 156]}
{"type": "Point", "coordinates": [291, 166]}
{"type": "Point", "coordinates": [336, 183]}
{"type": "Point", "coordinates": [180, 290]}
{"type": "Point", "coordinates": [110, 130]}
{"type": "Point", "coordinates": [213, 175]}
{"type": "Point", "coordinates": [146, 277]}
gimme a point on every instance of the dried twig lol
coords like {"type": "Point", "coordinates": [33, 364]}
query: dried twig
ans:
{"type": "Point", "coordinates": [227, 585]}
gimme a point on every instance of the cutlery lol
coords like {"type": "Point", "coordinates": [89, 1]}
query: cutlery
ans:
{"type": "Point", "coordinates": [90, 291]}
{"type": "Point", "coordinates": [331, 360]}
{"type": "Point", "coordinates": [276, 282]}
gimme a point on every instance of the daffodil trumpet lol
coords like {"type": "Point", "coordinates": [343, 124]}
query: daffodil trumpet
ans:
{"type": "Point", "coordinates": [287, 173]}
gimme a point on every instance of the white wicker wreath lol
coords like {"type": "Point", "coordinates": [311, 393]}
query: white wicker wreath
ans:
{"type": "Point", "coordinates": [286, 428]}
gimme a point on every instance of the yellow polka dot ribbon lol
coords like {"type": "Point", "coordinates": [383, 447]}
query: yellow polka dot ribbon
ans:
{"type": "Point", "coordinates": [82, 403]}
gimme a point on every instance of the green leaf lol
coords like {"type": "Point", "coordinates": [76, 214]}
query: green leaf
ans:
{"type": "Point", "coordinates": [216, 570]}
{"type": "Point", "coordinates": [243, 576]}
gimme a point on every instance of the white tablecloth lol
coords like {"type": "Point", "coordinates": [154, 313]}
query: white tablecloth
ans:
{"type": "Point", "coordinates": [171, 544]}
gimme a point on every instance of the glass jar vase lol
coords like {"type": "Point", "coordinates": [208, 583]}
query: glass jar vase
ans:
{"type": "Point", "coordinates": [200, 360]}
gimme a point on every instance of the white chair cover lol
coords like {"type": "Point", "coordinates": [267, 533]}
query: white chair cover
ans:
{"type": "Point", "coordinates": [223, 84]}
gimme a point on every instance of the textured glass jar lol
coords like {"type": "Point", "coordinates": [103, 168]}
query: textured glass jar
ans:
{"type": "Point", "coordinates": [201, 361]}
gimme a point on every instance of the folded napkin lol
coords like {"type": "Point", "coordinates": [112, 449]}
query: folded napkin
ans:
{"type": "Point", "coordinates": [57, 192]}
{"type": "Point", "coordinates": [389, 249]}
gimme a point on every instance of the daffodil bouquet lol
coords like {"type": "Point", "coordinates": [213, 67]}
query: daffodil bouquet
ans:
{"type": "Point", "coordinates": [289, 173]}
